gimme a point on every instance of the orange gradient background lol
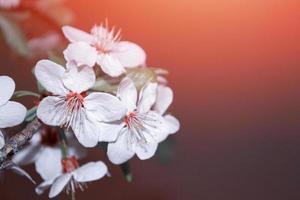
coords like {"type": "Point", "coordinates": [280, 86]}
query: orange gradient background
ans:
{"type": "Point", "coordinates": [235, 70]}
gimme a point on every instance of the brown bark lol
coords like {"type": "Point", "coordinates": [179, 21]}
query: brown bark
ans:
{"type": "Point", "coordinates": [16, 142]}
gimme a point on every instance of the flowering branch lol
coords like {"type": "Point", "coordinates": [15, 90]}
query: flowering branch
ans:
{"type": "Point", "coordinates": [122, 109]}
{"type": "Point", "coordinates": [18, 140]}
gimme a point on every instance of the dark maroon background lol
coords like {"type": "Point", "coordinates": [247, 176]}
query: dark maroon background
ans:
{"type": "Point", "coordinates": [235, 72]}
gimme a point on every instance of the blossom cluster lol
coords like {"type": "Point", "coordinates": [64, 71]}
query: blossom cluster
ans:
{"type": "Point", "coordinates": [130, 121]}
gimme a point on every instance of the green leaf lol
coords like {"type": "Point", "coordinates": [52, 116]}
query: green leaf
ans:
{"type": "Point", "coordinates": [141, 76]}
{"type": "Point", "coordinates": [14, 36]}
{"type": "Point", "coordinates": [125, 167]}
{"type": "Point", "coordinates": [31, 114]}
{"type": "Point", "coordinates": [23, 93]}
{"type": "Point", "coordinates": [106, 84]}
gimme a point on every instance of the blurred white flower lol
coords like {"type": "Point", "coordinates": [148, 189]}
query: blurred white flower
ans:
{"type": "Point", "coordinates": [163, 101]}
{"type": "Point", "coordinates": [42, 144]}
{"type": "Point", "coordinates": [66, 174]}
{"type": "Point", "coordinates": [43, 44]}
{"type": "Point", "coordinates": [102, 46]}
{"type": "Point", "coordinates": [70, 106]}
{"type": "Point", "coordinates": [9, 3]}
{"type": "Point", "coordinates": [11, 113]}
{"type": "Point", "coordinates": [2, 140]}
{"type": "Point", "coordinates": [142, 129]}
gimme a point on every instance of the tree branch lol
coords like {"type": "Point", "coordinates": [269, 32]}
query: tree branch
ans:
{"type": "Point", "coordinates": [17, 141]}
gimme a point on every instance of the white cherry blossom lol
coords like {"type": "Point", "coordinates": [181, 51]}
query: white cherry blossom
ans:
{"type": "Point", "coordinates": [9, 3]}
{"type": "Point", "coordinates": [45, 43]}
{"type": "Point", "coordinates": [70, 106]}
{"type": "Point", "coordinates": [163, 101]}
{"type": "Point", "coordinates": [102, 46]}
{"type": "Point", "coordinates": [142, 129]}
{"type": "Point", "coordinates": [11, 113]}
{"type": "Point", "coordinates": [65, 174]}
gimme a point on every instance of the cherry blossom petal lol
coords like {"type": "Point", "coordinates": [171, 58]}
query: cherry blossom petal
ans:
{"type": "Point", "coordinates": [29, 154]}
{"type": "Point", "coordinates": [59, 184]}
{"type": "Point", "coordinates": [90, 172]}
{"type": "Point", "coordinates": [79, 79]}
{"type": "Point", "coordinates": [52, 110]}
{"type": "Point", "coordinates": [162, 80]}
{"type": "Point", "coordinates": [129, 54]}
{"type": "Point", "coordinates": [145, 151]}
{"type": "Point", "coordinates": [147, 97]}
{"type": "Point", "coordinates": [110, 131]}
{"type": "Point", "coordinates": [76, 35]}
{"type": "Point", "coordinates": [40, 189]}
{"type": "Point", "coordinates": [163, 100]}
{"type": "Point", "coordinates": [120, 151]}
{"type": "Point", "coordinates": [81, 53]}
{"type": "Point", "coordinates": [173, 124]}
{"type": "Point", "coordinates": [18, 170]}
{"type": "Point", "coordinates": [104, 107]}
{"type": "Point", "coordinates": [128, 94]}
{"type": "Point", "coordinates": [11, 114]}
{"type": "Point", "coordinates": [86, 131]}
{"type": "Point", "coordinates": [155, 127]}
{"type": "Point", "coordinates": [50, 74]}
{"type": "Point", "coordinates": [7, 89]}
{"type": "Point", "coordinates": [110, 65]}
{"type": "Point", "coordinates": [48, 163]}
{"type": "Point", "coordinates": [2, 140]}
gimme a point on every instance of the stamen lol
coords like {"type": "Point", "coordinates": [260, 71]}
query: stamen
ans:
{"type": "Point", "coordinates": [70, 164]}
{"type": "Point", "coordinates": [138, 124]}
{"type": "Point", "coordinates": [74, 103]}
{"type": "Point", "coordinates": [105, 39]}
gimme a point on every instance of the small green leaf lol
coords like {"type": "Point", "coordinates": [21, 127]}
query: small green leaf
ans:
{"type": "Point", "coordinates": [23, 93]}
{"type": "Point", "coordinates": [141, 76]}
{"type": "Point", "coordinates": [106, 84]}
{"type": "Point", "coordinates": [31, 114]}
{"type": "Point", "coordinates": [13, 35]}
{"type": "Point", "coordinates": [125, 167]}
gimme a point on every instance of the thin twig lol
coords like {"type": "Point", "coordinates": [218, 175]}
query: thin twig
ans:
{"type": "Point", "coordinates": [17, 141]}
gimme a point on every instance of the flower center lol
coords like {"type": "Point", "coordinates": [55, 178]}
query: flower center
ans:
{"type": "Point", "coordinates": [136, 123]}
{"type": "Point", "coordinates": [130, 118]}
{"type": "Point", "coordinates": [74, 102]}
{"type": "Point", "coordinates": [105, 40]}
{"type": "Point", "coordinates": [49, 136]}
{"type": "Point", "coordinates": [74, 98]}
{"type": "Point", "coordinates": [69, 164]}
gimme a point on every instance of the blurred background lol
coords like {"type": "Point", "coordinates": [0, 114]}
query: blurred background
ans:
{"type": "Point", "coordinates": [235, 70]}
